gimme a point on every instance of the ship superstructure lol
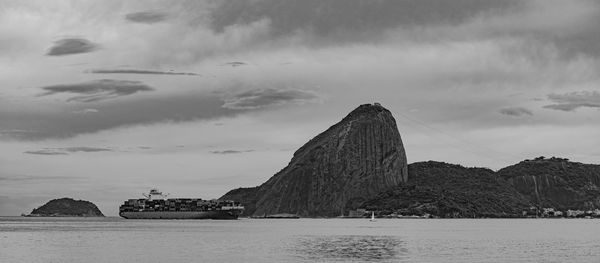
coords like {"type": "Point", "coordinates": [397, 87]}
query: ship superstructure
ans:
{"type": "Point", "coordinates": [154, 206]}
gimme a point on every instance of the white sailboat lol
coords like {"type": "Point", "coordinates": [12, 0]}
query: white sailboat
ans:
{"type": "Point", "coordinates": [372, 217]}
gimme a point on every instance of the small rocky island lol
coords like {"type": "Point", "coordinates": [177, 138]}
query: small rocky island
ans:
{"type": "Point", "coordinates": [66, 207]}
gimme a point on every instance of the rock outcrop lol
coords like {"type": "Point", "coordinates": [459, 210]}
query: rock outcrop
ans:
{"type": "Point", "coordinates": [337, 170]}
{"type": "Point", "coordinates": [556, 182]}
{"type": "Point", "coordinates": [67, 207]}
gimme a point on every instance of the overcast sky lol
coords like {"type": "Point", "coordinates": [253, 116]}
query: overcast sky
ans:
{"type": "Point", "coordinates": [102, 100]}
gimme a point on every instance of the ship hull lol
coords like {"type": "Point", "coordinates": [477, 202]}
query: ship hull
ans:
{"type": "Point", "coordinates": [180, 215]}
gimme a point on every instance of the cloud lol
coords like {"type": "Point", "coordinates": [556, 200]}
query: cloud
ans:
{"type": "Point", "coordinates": [574, 100]}
{"type": "Point", "coordinates": [16, 133]}
{"type": "Point", "coordinates": [231, 151]}
{"type": "Point", "coordinates": [67, 150]}
{"type": "Point", "coordinates": [102, 89]}
{"type": "Point", "coordinates": [515, 111]}
{"type": "Point", "coordinates": [235, 64]}
{"type": "Point", "coordinates": [147, 17]}
{"type": "Point", "coordinates": [23, 123]}
{"type": "Point", "coordinates": [260, 98]}
{"type": "Point", "coordinates": [46, 152]}
{"type": "Point", "coordinates": [331, 23]}
{"type": "Point", "coordinates": [411, 53]}
{"type": "Point", "coordinates": [70, 46]}
{"type": "Point", "coordinates": [343, 18]}
{"type": "Point", "coordinates": [563, 107]}
{"type": "Point", "coordinates": [85, 149]}
{"type": "Point", "coordinates": [138, 71]}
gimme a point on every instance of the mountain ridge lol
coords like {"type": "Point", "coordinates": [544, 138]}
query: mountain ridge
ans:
{"type": "Point", "coordinates": [360, 162]}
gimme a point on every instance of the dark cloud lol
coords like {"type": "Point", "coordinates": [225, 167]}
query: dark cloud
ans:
{"type": "Point", "coordinates": [570, 106]}
{"type": "Point", "coordinates": [24, 123]}
{"type": "Point", "coordinates": [20, 122]}
{"type": "Point", "coordinates": [231, 151]}
{"type": "Point", "coordinates": [338, 21]}
{"type": "Point", "coordinates": [139, 71]}
{"type": "Point", "coordinates": [574, 100]}
{"type": "Point", "coordinates": [584, 42]}
{"type": "Point", "coordinates": [16, 133]}
{"type": "Point", "coordinates": [515, 111]}
{"type": "Point", "coordinates": [47, 152]}
{"type": "Point", "coordinates": [235, 64]}
{"type": "Point", "coordinates": [147, 17]}
{"type": "Point", "coordinates": [70, 46]}
{"type": "Point", "coordinates": [98, 90]}
{"type": "Point", "coordinates": [259, 98]}
{"type": "Point", "coordinates": [67, 150]}
{"type": "Point", "coordinates": [346, 17]}
{"type": "Point", "coordinates": [86, 149]}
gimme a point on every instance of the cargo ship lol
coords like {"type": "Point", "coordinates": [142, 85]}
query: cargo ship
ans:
{"type": "Point", "coordinates": [156, 206]}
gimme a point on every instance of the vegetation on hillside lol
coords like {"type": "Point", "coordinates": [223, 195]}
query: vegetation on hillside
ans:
{"type": "Point", "coordinates": [67, 207]}
{"type": "Point", "coordinates": [448, 190]}
{"type": "Point", "coordinates": [556, 182]}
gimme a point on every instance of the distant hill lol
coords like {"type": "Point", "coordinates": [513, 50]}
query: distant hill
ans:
{"type": "Point", "coordinates": [449, 190]}
{"type": "Point", "coordinates": [556, 182]}
{"type": "Point", "coordinates": [67, 207]}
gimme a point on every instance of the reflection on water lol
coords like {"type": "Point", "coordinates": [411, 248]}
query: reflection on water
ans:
{"type": "Point", "coordinates": [350, 248]}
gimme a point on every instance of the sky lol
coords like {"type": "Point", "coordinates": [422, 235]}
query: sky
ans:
{"type": "Point", "coordinates": [103, 100]}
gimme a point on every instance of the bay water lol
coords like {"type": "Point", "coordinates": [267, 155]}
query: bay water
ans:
{"type": "Point", "coordinates": [111, 239]}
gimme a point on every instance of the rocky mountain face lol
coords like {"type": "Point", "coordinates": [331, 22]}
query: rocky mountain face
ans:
{"type": "Point", "coordinates": [67, 207]}
{"type": "Point", "coordinates": [556, 182]}
{"type": "Point", "coordinates": [449, 190]}
{"type": "Point", "coordinates": [336, 171]}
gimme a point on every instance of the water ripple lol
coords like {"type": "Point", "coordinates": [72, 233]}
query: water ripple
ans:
{"type": "Point", "coordinates": [350, 248]}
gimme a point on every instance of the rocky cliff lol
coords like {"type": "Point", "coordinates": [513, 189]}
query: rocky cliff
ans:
{"type": "Point", "coordinates": [349, 163]}
{"type": "Point", "coordinates": [556, 182]}
{"type": "Point", "coordinates": [67, 207]}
